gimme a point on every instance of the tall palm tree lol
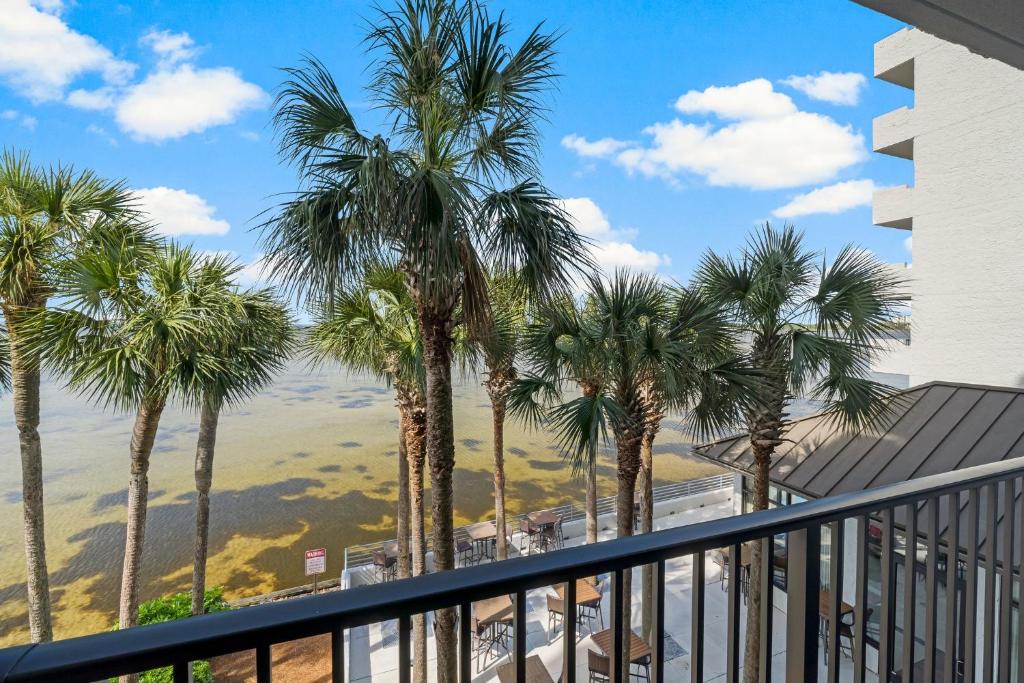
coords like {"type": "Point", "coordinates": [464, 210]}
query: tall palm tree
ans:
{"type": "Point", "coordinates": [5, 360]}
{"type": "Point", "coordinates": [499, 348]}
{"type": "Point", "coordinates": [131, 333]}
{"type": "Point", "coordinates": [639, 334]}
{"type": "Point", "coordinates": [448, 189]}
{"type": "Point", "coordinates": [811, 327]}
{"type": "Point", "coordinates": [46, 216]}
{"type": "Point", "coordinates": [373, 328]}
{"type": "Point", "coordinates": [247, 353]}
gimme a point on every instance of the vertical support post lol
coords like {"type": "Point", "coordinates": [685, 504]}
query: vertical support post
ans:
{"type": "Point", "coordinates": [263, 667]}
{"type": "Point", "coordinates": [1006, 579]}
{"type": "Point", "coordinates": [931, 598]}
{"type": "Point", "coordinates": [971, 585]}
{"type": "Point", "coordinates": [338, 655]}
{"type": "Point", "coordinates": [697, 620]}
{"type": "Point", "coordinates": [732, 662]}
{"type": "Point", "coordinates": [404, 651]}
{"type": "Point", "coordinates": [181, 672]}
{"type": "Point", "coordinates": [614, 657]}
{"type": "Point", "coordinates": [860, 613]}
{"type": "Point", "coordinates": [658, 646]}
{"type": "Point", "coordinates": [519, 634]}
{"type": "Point", "coordinates": [909, 590]}
{"type": "Point", "coordinates": [952, 566]}
{"type": "Point", "coordinates": [988, 640]}
{"type": "Point", "coordinates": [835, 603]}
{"type": "Point", "coordinates": [767, 607]}
{"type": "Point", "coordinates": [465, 643]}
{"type": "Point", "coordinates": [803, 583]}
{"type": "Point", "coordinates": [887, 619]}
{"type": "Point", "coordinates": [569, 612]}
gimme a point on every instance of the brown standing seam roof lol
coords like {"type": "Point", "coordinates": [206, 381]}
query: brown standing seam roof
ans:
{"type": "Point", "coordinates": [935, 427]}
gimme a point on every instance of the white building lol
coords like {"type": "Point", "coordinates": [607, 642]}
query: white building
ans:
{"type": "Point", "coordinates": [965, 210]}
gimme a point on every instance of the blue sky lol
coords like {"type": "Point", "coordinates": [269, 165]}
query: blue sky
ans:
{"type": "Point", "coordinates": [677, 126]}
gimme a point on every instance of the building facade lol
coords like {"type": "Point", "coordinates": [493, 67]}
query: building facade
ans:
{"type": "Point", "coordinates": [964, 136]}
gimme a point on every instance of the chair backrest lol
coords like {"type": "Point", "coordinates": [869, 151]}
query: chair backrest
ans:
{"type": "Point", "coordinates": [380, 558]}
{"type": "Point", "coordinates": [598, 663]}
{"type": "Point", "coordinates": [555, 603]}
{"type": "Point", "coordinates": [526, 527]}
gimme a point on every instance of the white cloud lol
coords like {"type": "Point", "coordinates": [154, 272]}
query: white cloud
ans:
{"type": "Point", "coordinates": [837, 88]}
{"type": "Point", "coordinates": [101, 132]}
{"type": "Point", "coordinates": [592, 148]}
{"type": "Point", "coordinates": [93, 100]}
{"type": "Point", "coordinates": [254, 272]}
{"type": "Point", "coordinates": [25, 120]}
{"type": "Point", "coordinates": [172, 104]}
{"type": "Point", "coordinates": [611, 247]}
{"type": "Point", "coordinates": [177, 212]}
{"type": "Point", "coordinates": [754, 99]}
{"type": "Point", "coordinates": [831, 199]}
{"type": "Point", "coordinates": [170, 48]}
{"type": "Point", "coordinates": [40, 55]}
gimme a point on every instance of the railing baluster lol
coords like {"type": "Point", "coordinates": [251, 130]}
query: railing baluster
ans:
{"type": "Point", "coordinates": [338, 655]}
{"type": "Point", "coordinates": [860, 612]}
{"type": "Point", "coordinates": [697, 619]}
{"type": "Point", "coordinates": [263, 668]}
{"type": "Point", "coordinates": [803, 591]}
{"type": "Point", "coordinates": [887, 619]}
{"type": "Point", "coordinates": [614, 657]}
{"type": "Point", "coordinates": [1020, 598]}
{"type": "Point", "coordinates": [465, 643]}
{"type": "Point", "coordinates": [931, 597]}
{"type": "Point", "coordinates": [404, 651]}
{"type": "Point", "coordinates": [988, 639]}
{"type": "Point", "coordinates": [519, 635]}
{"type": "Point", "coordinates": [835, 595]}
{"type": "Point", "coordinates": [909, 591]}
{"type": "Point", "coordinates": [181, 671]}
{"type": "Point", "coordinates": [1006, 578]}
{"type": "Point", "coordinates": [971, 585]}
{"type": "Point", "coordinates": [767, 607]}
{"type": "Point", "coordinates": [732, 662]}
{"type": "Point", "coordinates": [569, 612]}
{"type": "Point", "coordinates": [658, 646]}
{"type": "Point", "coordinates": [952, 565]}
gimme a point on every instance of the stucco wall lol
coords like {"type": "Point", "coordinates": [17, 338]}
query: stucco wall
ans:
{"type": "Point", "coordinates": [967, 208]}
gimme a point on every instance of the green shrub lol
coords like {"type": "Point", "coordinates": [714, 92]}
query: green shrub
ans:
{"type": "Point", "coordinates": [178, 606]}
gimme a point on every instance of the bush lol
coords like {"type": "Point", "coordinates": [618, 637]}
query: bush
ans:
{"type": "Point", "coordinates": [179, 606]}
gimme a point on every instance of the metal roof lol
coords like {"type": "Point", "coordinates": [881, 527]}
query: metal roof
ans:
{"type": "Point", "coordinates": [935, 427]}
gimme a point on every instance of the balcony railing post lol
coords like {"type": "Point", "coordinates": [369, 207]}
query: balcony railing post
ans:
{"type": "Point", "coordinates": [697, 620]}
{"type": "Point", "coordinates": [569, 612]}
{"type": "Point", "coordinates": [618, 637]}
{"type": "Point", "coordinates": [767, 606]}
{"type": "Point", "coordinates": [803, 588]}
{"type": "Point", "coordinates": [338, 655]}
{"type": "Point", "coordinates": [658, 646]}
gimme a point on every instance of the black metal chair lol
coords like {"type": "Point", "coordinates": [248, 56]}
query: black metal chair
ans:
{"type": "Point", "coordinates": [589, 612]}
{"type": "Point", "coordinates": [556, 614]}
{"type": "Point", "coordinates": [385, 567]}
{"type": "Point", "coordinates": [467, 553]}
{"type": "Point", "coordinates": [530, 537]}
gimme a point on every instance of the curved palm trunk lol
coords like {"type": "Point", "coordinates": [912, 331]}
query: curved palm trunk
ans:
{"type": "Point", "coordinates": [402, 530]}
{"type": "Point", "coordinates": [440, 443]}
{"type": "Point", "coordinates": [205, 445]}
{"type": "Point", "coordinates": [591, 502]}
{"type": "Point", "coordinates": [416, 453]}
{"type": "Point", "coordinates": [647, 526]}
{"type": "Point", "coordinates": [628, 452]}
{"type": "Point", "coordinates": [147, 420]}
{"type": "Point", "coordinates": [25, 386]}
{"type": "Point", "coordinates": [498, 386]}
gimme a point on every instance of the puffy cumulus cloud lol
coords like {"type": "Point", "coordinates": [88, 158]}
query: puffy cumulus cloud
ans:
{"type": "Point", "coordinates": [754, 99]}
{"type": "Point", "coordinates": [827, 86]}
{"type": "Point", "coordinates": [831, 199]}
{"type": "Point", "coordinates": [177, 212]}
{"type": "Point", "coordinates": [169, 48]}
{"type": "Point", "coordinates": [40, 55]}
{"type": "Point", "coordinates": [174, 103]}
{"type": "Point", "coordinates": [592, 148]}
{"type": "Point", "coordinates": [611, 248]}
{"type": "Point", "coordinates": [93, 100]}
{"type": "Point", "coordinates": [760, 141]}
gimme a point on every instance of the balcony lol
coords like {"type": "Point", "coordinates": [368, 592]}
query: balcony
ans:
{"type": "Point", "coordinates": [893, 207]}
{"type": "Point", "coordinates": [845, 554]}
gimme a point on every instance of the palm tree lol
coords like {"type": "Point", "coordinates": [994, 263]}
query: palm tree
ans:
{"type": "Point", "coordinates": [447, 190]}
{"type": "Point", "coordinates": [46, 216]}
{"type": "Point", "coordinates": [499, 348]}
{"type": "Point", "coordinates": [131, 333]}
{"type": "Point", "coordinates": [811, 328]}
{"type": "Point", "coordinates": [246, 355]}
{"type": "Point", "coordinates": [5, 360]}
{"type": "Point", "coordinates": [373, 328]}
{"type": "Point", "coordinates": [638, 335]}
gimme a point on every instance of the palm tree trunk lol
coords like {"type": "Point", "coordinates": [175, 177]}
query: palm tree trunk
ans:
{"type": "Point", "coordinates": [204, 480]}
{"type": "Point", "coordinates": [416, 452]}
{"type": "Point", "coordinates": [591, 502]}
{"type": "Point", "coordinates": [499, 403]}
{"type": "Point", "coordinates": [404, 511]}
{"type": "Point", "coordinates": [440, 440]}
{"type": "Point", "coordinates": [628, 451]}
{"type": "Point", "coordinates": [25, 389]}
{"type": "Point", "coordinates": [647, 526]}
{"type": "Point", "coordinates": [751, 655]}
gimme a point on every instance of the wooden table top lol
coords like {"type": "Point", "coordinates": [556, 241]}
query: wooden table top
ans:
{"type": "Point", "coordinates": [543, 517]}
{"type": "Point", "coordinates": [493, 609]}
{"type": "Point", "coordinates": [482, 531]}
{"type": "Point", "coordinates": [744, 554]}
{"type": "Point", "coordinates": [536, 672]}
{"type": "Point", "coordinates": [638, 648]}
{"type": "Point", "coordinates": [585, 592]}
{"type": "Point", "coordinates": [825, 605]}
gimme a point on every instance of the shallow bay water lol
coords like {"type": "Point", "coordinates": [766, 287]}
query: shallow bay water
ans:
{"type": "Point", "coordinates": [311, 462]}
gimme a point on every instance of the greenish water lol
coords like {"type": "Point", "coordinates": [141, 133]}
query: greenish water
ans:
{"type": "Point", "coordinates": [311, 462]}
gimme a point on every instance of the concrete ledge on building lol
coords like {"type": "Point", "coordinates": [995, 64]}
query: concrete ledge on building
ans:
{"type": "Point", "coordinates": [893, 207]}
{"type": "Point", "coordinates": [894, 55]}
{"type": "Point", "coordinates": [893, 133]}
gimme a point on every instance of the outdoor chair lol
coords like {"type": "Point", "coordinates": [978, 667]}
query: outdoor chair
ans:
{"type": "Point", "coordinates": [590, 612]}
{"type": "Point", "coordinates": [556, 614]}
{"type": "Point", "coordinates": [488, 638]}
{"type": "Point", "coordinates": [641, 670]}
{"type": "Point", "coordinates": [599, 666]}
{"type": "Point", "coordinates": [530, 537]}
{"type": "Point", "coordinates": [846, 632]}
{"type": "Point", "coordinates": [385, 568]}
{"type": "Point", "coordinates": [467, 553]}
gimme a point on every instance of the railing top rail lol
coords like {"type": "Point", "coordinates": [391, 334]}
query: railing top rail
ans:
{"type": "Point", "coordinates": [108, 654]}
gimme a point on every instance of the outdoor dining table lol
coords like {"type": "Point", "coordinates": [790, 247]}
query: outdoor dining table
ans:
{"type": "Point", "coordinates": [639, 650]}
{"type": "Point", "coordinates": [482, 534]}
{"type": "Point", "coordinates": [391, 548]}
{"type": "Point", "coordinates": [586, 594]}
{"type": "Point", "coordinates": [536, 672]}
{"type": "Point", "coordinates": [744, 555]}
{"type": "Point", "coordinates": [493, 610]}
{"type": "Point", "coordinates": [825, 605]}
{"type": "Point", "coordinates": [543, 518]}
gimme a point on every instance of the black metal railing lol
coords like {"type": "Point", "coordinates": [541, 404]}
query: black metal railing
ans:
{"type": "Point", "coordinates": [955, 531]}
